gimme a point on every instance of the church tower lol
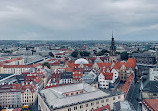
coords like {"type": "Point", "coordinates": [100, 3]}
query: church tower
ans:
{"type": "Point", "coordinates": [112, 55]}
{"type": "Point", "coordinates": [112, 47]}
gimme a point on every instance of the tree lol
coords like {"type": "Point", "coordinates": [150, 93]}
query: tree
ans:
{"type": "Point", "coordinates": [99, 53]}
{"type": "Point", "coordinates": [46, 64]}
{"type": "Point", "coordinates": [105, 51]}
{"type": "Point", "coordinates": [102, 52]}
{"type": "Point", "coordinates": [118, 53]}
{"type": "Point", "coordinates": [74, 54]}
{"type": "Point", "coordinates": [51, 54]}
{"type": "Point", "coordinates": [95, 52]}
{"type": "Point", "coordinates": [124, 56]}
{"type": "Point", "coordinates": [84, 53]}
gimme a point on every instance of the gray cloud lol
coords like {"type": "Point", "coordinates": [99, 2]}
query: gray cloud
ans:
{"type": "Point", "coordinates": [76, 19]}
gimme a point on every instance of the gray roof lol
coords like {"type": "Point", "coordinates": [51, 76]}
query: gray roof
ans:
{"type": "Point", "coordinates": [141, 55]}
{"type": "Point", "coordinates": [123, 106]}
{"type": "Point", "coordinates": [55, 98]}
{"type": "Point", "coordinates": [66, 75]}
{"type": "Point", "coordinates": [150, 86]}
{"type": "Point", "coordinates": [2, 76]}
{"type": "Point", "coordinates": [90, 77]}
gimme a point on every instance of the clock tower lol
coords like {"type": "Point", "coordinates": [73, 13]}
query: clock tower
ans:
{"type": "Point", "coordinates": [112, 55]}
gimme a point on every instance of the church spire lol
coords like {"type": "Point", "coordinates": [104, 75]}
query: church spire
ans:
{"type": "Point", "coordinates": [112, 47]}
{"type": "Point", "coordinates": [112, 34]}
{"type": "Point", "coordinates": [112, 41]}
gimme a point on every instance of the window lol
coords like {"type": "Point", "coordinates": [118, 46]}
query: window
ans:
{"type": "Point", "coordinates": [154, 94]}
{"type": "Point", "coordinates": [67, 94]}
{"type": "Point", "coordinates": [69, 109]}
{"type": "Point", "coordinates": [72, 94]}
{"type": "Point", "coordinates": [102, 101]}
{"type": "Point", "coordinates": [75, 108]}
{"type": "Point", "coordinates": [86, 105]}
{"type": "Point", "coordinates": [97, 102]}
{"type": "Point", "coordinates": [76, 92]}
{"type": "Point", "coordinates": [119, 97]}
{"type": "Point", "coordinates": [92, 104]}
{"type": "Point", "coordinates": [113, 98]}
{"type": "Point", "coordinates": [81, 106]}
{"type": "Point", "coordinates": [107, 100]}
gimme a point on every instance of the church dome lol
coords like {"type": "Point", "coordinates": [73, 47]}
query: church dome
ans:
{"type": "Point", "coordinates": [81, 61]}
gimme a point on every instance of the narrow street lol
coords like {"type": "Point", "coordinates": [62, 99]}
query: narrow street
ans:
{"type": "Point", "coordinates": [136, 96]}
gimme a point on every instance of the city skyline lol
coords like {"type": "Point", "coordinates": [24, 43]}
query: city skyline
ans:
{"type": "Point", "coordinates": [75, 20]}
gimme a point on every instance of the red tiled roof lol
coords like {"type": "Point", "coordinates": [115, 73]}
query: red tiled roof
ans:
{"type": "Point", "coordinates": [14, 59]}
{"type": "Point", "coordinates": [107, 75]}
{"type": "Point", "coordinates": [57, 85]}
{"type": "Point", "coordinates": [51, 86]}
{"type": "Point", "coordinates": [92, 58]}
{"type": "Point", "coordinates": [104, 65]}
{"type": "Point", "coordinates": [17, 109]}
{"type": "Point", "coordinates": [55, 64]}
{"type": "Point", "coordinates": [132, 60]}
{"type": "Point", "coordinates": [25, 73]}
{"type": "Point", "coordinates": [54, 60]}
{"type": "Point", "coordinates": [72, 65]}
{"type": "Point", "coordinates": [151, 103]}
{"type": "Point", "coordinates": [102, 58]}
{"type": "Point", "coordinates": [56, 75]}
{"type": "Point", "coordinates": [16, 86]}
{"type": "Point", "coordinates": [105, 69]}
{"type": "Point", "coordinates": [77, 75]}
{"type": "Point", "coordinates": [68, 69]}
{"type": "Point", "coordinates": [38, 80]}
{"type": "Point", "coordinates": [11, 87]}
{"type": "Point", "coordinates": [32, 78]}
{"type": "Point", "coordinates": [130, 63]}
{"type": "Point", "coordinates": [22, 66]}
{"type": "Point", "coordinates": [103, 108]}
{"type": "Point", "coordinates": [127, 84]}
{"type": "Point", "coordinates": [29, 86]}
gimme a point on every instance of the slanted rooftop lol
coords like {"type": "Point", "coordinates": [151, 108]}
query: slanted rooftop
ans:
{"type": "Point", "coordinates": [54, 96]}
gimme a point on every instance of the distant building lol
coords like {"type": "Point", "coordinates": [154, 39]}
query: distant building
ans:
{"type": "Point", "coordinates": [15, 66]}
{"type": "Point", "coordinates": [17, 69]}
{"type": "Point", "coordinates": [113, 56]}
{"type": "Point", "coordinates": [142, 58]}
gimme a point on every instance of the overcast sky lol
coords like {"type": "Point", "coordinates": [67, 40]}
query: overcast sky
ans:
{"type": "Point", "coordinates": [78, 19]}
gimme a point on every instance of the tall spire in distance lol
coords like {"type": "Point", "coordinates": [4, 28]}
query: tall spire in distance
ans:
{"type": "Point", "coordinates": [112, 47]}
{"type": "Point", "coordinates": [112, 41]}
{"type": "Point", "coordinates": [112, 34]}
